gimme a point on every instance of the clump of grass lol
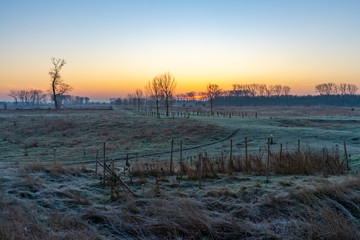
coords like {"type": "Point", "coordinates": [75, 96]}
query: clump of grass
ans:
{"type": "Point", "coordinates": [307, 162]}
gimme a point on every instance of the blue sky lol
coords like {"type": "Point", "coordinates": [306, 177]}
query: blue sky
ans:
{"type": "Point", "coordinates": [113, 47]}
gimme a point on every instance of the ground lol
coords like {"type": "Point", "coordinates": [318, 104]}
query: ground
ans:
{"type": "Point", "coordinates": [45, 197]}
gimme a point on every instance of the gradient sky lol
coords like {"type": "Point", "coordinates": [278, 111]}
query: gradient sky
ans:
{"type": "Point", "coordinates": [114, 47]}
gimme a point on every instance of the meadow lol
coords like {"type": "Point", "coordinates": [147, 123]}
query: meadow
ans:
{"type": "Point", "coordinates": [51, 187]}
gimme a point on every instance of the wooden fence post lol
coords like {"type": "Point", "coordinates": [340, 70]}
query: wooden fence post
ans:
{"type": "Point", "coordinates": [323, 162]}
{"type": "Point", "coordinates": [268, 162]}
{"type": "Point", "coordinates": [298, 150]}
{"type": "Point", "coordinates": [96, 165]}
{"type": "Point", "coordinates": [54, 154]}
{"type": "Point", "coordinates": [171, 156]}
{"type": "Point", "coordinates": [231, 144]}
{"type": "Point", "coordinates": [104, 163]}
{"type": "Point", "coordinates": [200, 170]}
{"type": "Point", "coordinates": [181, 162]}
{"type": "Point", "coordinates": [280, 154]}
{"type": "Point", "coordinates": [346, 157]}
{"type": "Point", "coordinates": [246, 150]}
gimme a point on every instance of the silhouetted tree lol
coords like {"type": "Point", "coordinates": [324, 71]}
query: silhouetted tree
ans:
{"type": "Point", "coordinates": [154, 91]}
{"type": "Point", "coordinates": [58, 87]}
{"type": "Point", "coordinates": [213, 91]}
{"type": "Point", "coordinates": [167, 84]}
{"type": "Point", "coordinates": [139, 98]}
{"type": "Point", "coordinates": [352, 89]}
{"type": "Point", "coordinates": [286, 90]}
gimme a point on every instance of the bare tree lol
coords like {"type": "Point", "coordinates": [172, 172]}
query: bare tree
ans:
{"type": "Point", "coordinates": [278, 90]}
{"type": "Point", "coordinates": [286, 90]}
{"type": "Point", "coordinates": [167, 84]}
{"type": "Point", "coordinates": [262, 89]}
{"type": "Point", "coordinates": [154, 91]}
{"type": "Point", "coordinates": [352, 89]}
{"type": "Point", "coordinates": [139, 98]}
{"type": "Point", "coordinates": [213, 91]}
{"type": "Point", "coordinates": [58, 87]}
{"type": "Point", "coordinates": [342, 88]}
{"type": "Point", "coordinates": [14, 94]}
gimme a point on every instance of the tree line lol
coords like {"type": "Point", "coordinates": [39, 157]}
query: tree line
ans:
{"type": "Point", "coordinates": [160, 91]}
{"type": "Point", "coordinates": [334, 89]}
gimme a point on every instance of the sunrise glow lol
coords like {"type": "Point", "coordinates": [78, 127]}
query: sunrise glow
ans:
{"type": "Point", "coordinates": [115, 47]}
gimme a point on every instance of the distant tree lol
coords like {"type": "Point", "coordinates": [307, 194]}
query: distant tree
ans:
{"type": "Point", "coordinates": [139, 98]}
{"type": "Point", "coordinates": [262, 89]}
{"type": "Point", "coordinates": [191, 95]}
{"type": "Point", "coordinates": [253, 89]}
{"type": "Point", "coordinates": [342, 88]}
{"type": "Point", "coordinates": [154, 91]}
{"type": "Point", "coordinates": [213, 91]}
{"type": "Point", "coordinates": [167, 84]}
{"type": "Point", "coordinates": [320, 89]}
{"type": "Point", "coordinates": [286, 90]}
{"type": "Point", "coordinates": [14, 94]}
{"type": "Point", "coordinates": [352, 89]}
{"type": "Point", "coordinates": [277, 90]}
{"type": "Point", "coordinates": [58, 87]}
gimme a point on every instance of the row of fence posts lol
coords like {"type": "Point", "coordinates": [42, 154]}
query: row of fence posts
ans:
{"type": "Point", "coordinates": [200, 159]}
{"type": "Point", "coordinates": [199, 113]}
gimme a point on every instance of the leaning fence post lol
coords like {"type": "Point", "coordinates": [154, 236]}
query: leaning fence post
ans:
{"type": "Point", "coordinates": [268, 161]}
{"type": "Point", "coordinates": [171, 156]}
{"type": "Point", "coordinates": [346, 157]}
{"type": "Point", "coordinates": [104, 163]}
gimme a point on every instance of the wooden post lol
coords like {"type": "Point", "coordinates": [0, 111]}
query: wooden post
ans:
{"type": "Point", "coordinates": [268, 162]}
{"type": "Point", "coordinates": [298, 150]}
{"type": "Point", "coordinates": [104, 163]}
{"type": "Point", "coordinates": [171, 156]}
{"type": "Point", "coordinates": [127, 160]}
{"type": "Point", "coordinates": [54, 154]}
{"type": "Point", "coordinates": [346, 157]}
{"type": "Point", "coordinates": [246, 152]}
{"type": "Point", "coordinates": [231, 149]}
{"type": "Point", "coordinates": [200, 169]}
{"type": "Point", "coordinates": [96, 165]}
{"type": "Point", "coordinates": [323, 161]}
{"type": "Point", "coordinates": [280, 154]}
{"type": "Point", "coordinates": [231, 164]}
{"type": "Point", "coordinates": [181, 162]}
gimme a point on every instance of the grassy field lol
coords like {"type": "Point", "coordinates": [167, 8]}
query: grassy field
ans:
{"type": "Point", "coordinates": [309, 195]}
{"type": "Point", "coordinates": [76, 135]}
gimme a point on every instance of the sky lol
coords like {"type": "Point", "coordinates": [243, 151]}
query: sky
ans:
{"type": "Point", "coordinates": [114, 47]}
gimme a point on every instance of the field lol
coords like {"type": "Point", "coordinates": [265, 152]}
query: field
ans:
{"type": "Point", "coordinates": [50, 190]}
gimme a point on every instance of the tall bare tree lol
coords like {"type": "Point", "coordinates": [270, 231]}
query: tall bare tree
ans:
{"type": "Point", "coordinates": [154, 91]}
{"type": "Point", "coordinates": [58, 87]}
{"type": "Point", "coordinates": [213, 91]}
{"type": "Point", "coordinates": [167, 84]}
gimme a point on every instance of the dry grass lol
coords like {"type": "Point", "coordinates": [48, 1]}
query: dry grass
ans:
{"type": "Point", "coordinates": [38, 204]}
